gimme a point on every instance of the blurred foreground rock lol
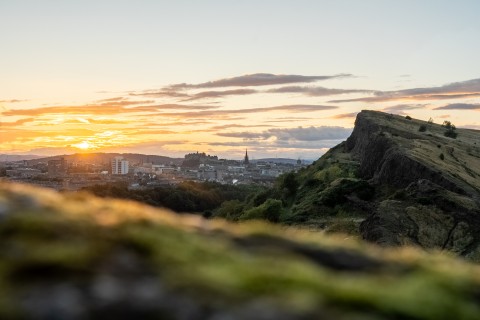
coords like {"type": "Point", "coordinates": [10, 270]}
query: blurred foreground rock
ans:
{"type": "Point", "coordinates": [79, 257]}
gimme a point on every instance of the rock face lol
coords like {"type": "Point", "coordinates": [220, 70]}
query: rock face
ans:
{"type": "Point", "coordinates": [392, 151]}
{"type": "Point", "coordinates": [80, 257]}
{"type": "Point", "coordinates": [394, 184]}
{"type": "Point", "coordinates": [427, 184]}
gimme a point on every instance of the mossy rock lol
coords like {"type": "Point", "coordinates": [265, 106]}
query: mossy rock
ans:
{"type": "Point", "coordinates": [79, 257]}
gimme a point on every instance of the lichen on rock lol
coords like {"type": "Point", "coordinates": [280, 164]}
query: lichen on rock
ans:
{"type": "Point", "coordinates": [79, 257]}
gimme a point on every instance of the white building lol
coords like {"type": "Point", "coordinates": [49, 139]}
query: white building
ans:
{"type": "Point", "coordinates": [119, 166]}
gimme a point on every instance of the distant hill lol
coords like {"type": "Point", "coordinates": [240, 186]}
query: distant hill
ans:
{"type": "Point", "coordinates": [281, 160]}
{"type": "Point", "coordinates": [17, 157]}
{"type": "Point", "coordinates": [133, 158]}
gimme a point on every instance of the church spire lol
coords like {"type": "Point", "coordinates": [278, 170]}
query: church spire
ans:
{"type": "Point", "coordinates": [245, 160]}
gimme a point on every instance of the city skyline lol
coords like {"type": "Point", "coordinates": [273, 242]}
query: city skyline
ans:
{"type": "Point", "coordinates": [280, 78]}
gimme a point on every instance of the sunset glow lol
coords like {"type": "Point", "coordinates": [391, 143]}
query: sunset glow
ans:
{"type": "Point", "coordinates": [123, 83]}
{"type": "Point", "coordinates": [83, 145]}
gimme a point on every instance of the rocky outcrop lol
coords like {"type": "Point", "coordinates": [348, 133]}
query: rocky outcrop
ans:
{"type": "Point", "coordinates": [426, 186]}
{"type": "Point", "coordinates": [80, 257]}
{"type": "Point", "coordinates": [382, 144]}
{"type": "Point", "coordinates": [427, 215]}
{"type": "Point", "coordinates": [425, 199]}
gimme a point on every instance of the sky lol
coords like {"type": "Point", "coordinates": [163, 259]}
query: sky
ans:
{"type": "Point", "coordinates": [279, 78]}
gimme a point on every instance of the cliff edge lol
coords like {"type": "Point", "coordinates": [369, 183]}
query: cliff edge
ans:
{"type": "Point", "coordinates": [398, 181]}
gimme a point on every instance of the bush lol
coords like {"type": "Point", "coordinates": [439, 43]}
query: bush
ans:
{"type": "Point", "coordinates": [422, 128]}
{"type": "Point", "coordinates": [442, 157]}
{"type": "Point", "coordinates": [270, 210]}
{"type": "Point", "coordinates": [448, 125]}
{"type": "Point", "coordinates": [450, 133]}
{"type": "Point", "coordinates": [335, 195]}
{"type": "Point", "coordinates": [288, 184]}
{"type": "Point", "coordinates": [408, 118]}
{"type": "Point", "coordinates": [230, 210]}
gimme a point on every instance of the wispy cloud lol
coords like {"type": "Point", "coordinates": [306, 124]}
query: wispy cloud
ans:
{"type": "Point", "coordinates": [258, 79]}
{"type": "Point", "coordinates": [221, 113]}
{"type": "Point", "coordinates": [12, 101]}
{"type": "Point", "coordinates": [16, 123]}
{"type": "Point", "coordinates": [112, 108]}
{"type": "Point", "coordinates": [315, 91]}
{"type": "Point", "coordinates": [456, 90]}
{"type": "Point", "coordinates": [299, 134]}
{"type": "Point", "coordinates": [22, 135]}
{"type": "Point", "coordinates": [162, 93]}
{"type": "Point", "coordinates": [286, 119]}
{"type": "Point", "coordinates": [460, 106]}
{"type": "Point", "coordinates": [345, 115]}
{"type": "Point", "coordinates": [220, 94]}
{"type": "Point", "coordinates": [232, 125]}
{"type": "Point", "coordinates": [401, 108]}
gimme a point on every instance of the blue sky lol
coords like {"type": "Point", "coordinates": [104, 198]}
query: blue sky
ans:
{"type": "Point", "coordinates": [58, 53]}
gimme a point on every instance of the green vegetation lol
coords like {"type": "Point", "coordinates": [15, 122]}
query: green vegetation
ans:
{"type": "Point", "coordinates": [316, 196]}
{"type": "Point", "coordinates": [450, 129]}
{"type": "Point", "coordinates": [75, 256]}
{"type": "Point", "coordinates": [185, 197]}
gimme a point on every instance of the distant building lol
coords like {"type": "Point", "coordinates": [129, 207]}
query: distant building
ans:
{"type": "Point", "coordinates": [23, 173]}
{"type": "Point", "coordinates": [119, 165]}
{"type": "Point", "coordinates": [57, 167]}
{"type": "Point", "coordinates": [245, 160]}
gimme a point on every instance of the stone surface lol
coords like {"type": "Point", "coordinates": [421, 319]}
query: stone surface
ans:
{"type": "Point", "coordinates": [79, 257]}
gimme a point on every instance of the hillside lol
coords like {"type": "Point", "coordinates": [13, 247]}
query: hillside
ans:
{"type": "Point", "coordinates": [394, 184]}
{"type": "Point", "coordinates": [100, 158]}
{"type": "Point", "coordinates": [17, 157]}
{"type": "Point", "coordinates": [79, 257]}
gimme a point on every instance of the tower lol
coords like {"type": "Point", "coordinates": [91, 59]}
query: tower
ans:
{"type": "Point", "coordinates": [119, 166]}
{"type": "Point", "coordinates": [245, 160]}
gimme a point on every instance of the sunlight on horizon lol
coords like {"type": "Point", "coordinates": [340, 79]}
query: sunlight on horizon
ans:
{"type": "Point", "coordinates": [220, 85]}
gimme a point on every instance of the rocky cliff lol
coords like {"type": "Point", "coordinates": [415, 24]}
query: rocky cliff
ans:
{"type": "Point", "coordinates": [80, 257]}
{"type": "Point", "coordinates": [424, 186]}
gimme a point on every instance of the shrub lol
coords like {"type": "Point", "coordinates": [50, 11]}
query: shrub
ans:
{"type": "Point", "coordinates": [450, 133]}
{"type": "Point", "coordinates": [230, 210]}
{"type": "Point", "coordinates": [270, 210]}
{"type": "Point", "coordinates": [442, 157]}
{"type": "Point", "coordinates": [345, 226]}
{"type": "Point", "coordinates": [422, 128]}
{"type": "Point", "coordinates": [334, 195]}
{"type": "Point", "coordinates": [288, 184]}
{"type": "Point", "coordinates": [408, 118]}
{"type": "Point", "coordinates": [448, 125]}
{"type": "Point", "coordinates": [332, 173]}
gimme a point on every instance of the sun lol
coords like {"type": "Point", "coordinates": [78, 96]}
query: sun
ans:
{"type": "Point", "coordinates": [84, 145]}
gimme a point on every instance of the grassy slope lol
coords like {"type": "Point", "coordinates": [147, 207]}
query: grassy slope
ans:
{"type": "Point", "coordinates": [79, 256]}
{"type": "Point", "coordinates": [461, 155]}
